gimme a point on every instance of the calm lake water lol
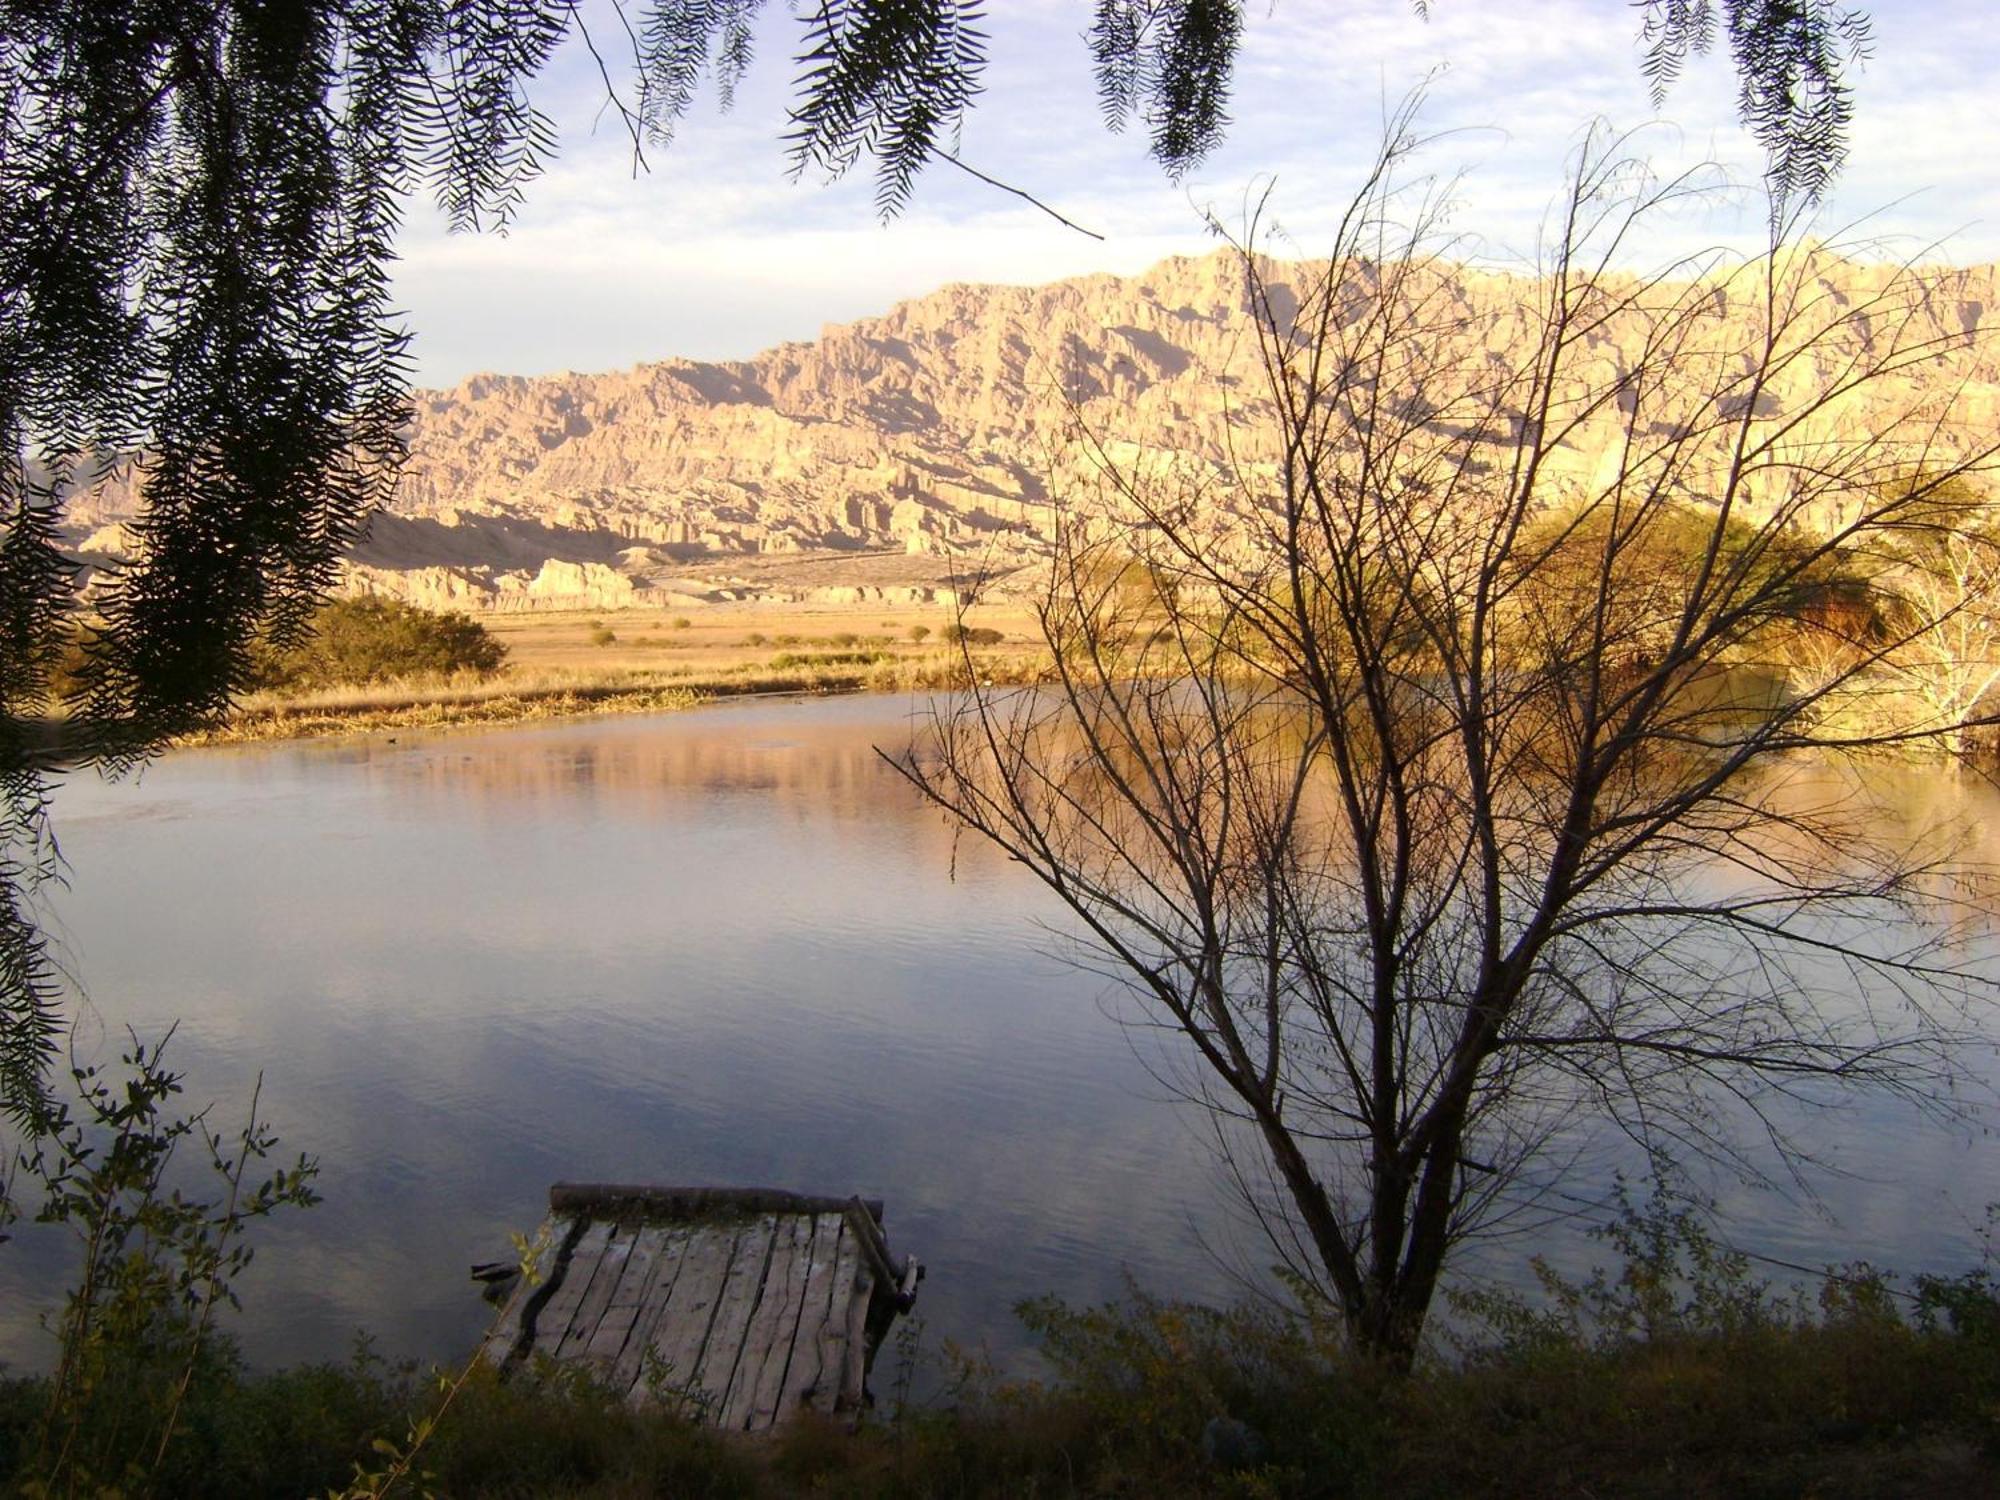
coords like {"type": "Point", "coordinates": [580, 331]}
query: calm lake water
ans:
{"type": "Point", "coordinates": [725, 946]}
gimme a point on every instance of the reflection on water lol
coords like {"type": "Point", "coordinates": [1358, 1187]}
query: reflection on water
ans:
{"type": "Point", "coordinates": [727, 946]}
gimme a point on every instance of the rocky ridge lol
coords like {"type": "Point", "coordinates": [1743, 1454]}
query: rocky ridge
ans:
{"type": "Point", "coordinates": [892, 457]}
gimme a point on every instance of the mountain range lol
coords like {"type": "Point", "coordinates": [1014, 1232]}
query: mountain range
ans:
{"type": "Point", "coordinates": [888, 457]}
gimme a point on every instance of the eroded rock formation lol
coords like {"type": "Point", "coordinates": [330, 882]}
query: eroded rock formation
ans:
{"type": "Point", "coordinates": [894, 458]}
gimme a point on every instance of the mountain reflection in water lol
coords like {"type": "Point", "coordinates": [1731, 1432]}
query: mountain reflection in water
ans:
{"type": "Point", "coordinates": [725, 946]}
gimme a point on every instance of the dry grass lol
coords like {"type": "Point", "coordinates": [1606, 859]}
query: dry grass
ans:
{"type": "Point", "coordinates": [723, 635]}
{"type": "Point", "coordinates": [524, 692]}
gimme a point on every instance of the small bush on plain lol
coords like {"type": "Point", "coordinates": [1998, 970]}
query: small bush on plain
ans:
{"type": "Point", "coordinates": [352, 642]}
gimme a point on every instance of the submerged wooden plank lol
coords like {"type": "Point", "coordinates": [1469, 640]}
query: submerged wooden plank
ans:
{"type": "Point", "coordinates": [767, 1343]}
{"type": "Point", "coordinates": [740, 1296]}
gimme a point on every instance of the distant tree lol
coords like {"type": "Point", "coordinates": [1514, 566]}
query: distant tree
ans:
{"type": "Point", "coordinates": [354, 641]}
{"type": "Point", "coordinates": [1937, 588]}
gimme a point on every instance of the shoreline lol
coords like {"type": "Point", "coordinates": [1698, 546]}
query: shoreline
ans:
{"type": "Point", "coordinates": [495, 704]}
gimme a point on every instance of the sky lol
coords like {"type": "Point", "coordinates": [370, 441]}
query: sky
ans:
{"type": "Point", "coordinates": [715, 253]}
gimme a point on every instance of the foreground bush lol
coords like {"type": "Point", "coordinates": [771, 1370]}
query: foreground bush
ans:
{"type": "Point", "coordinates": [1677, 1375]}
{"type": "Point", "coordinates": [359, 641]}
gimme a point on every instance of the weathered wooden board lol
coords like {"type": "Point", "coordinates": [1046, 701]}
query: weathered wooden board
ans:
{"type": "Point", "coordinates": [621, 1312]}
{"type": "Point", "coordinates": [830, 1232]}
{"type": "Point", "coordinates": [571, 1276]}
{"type": "Point", "coordinates": [629, 1373]}
{"type": "Point", "coordinates": [827, 1395]}
{"type": "Point", "coordinates": [740, 1293]}
{"type": "Point", "coordinates": [612, 1258]}
{"type": "Point", "coordinates": [752, 1400]}
{"type": "Point", "coordinates": [739, 1305]}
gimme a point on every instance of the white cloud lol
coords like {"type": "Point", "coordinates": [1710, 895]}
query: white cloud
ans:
{"type": "Point", "coordinates": [716, 253]}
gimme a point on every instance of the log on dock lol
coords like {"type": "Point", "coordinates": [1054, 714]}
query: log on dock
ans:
{"type": "Point", "coordinates": [736, 1306]}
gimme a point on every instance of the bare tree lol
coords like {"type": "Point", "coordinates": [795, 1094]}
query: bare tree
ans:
{"type": "Point", "coordinates": [1430, 767]}
{"type": "Point", "coordinates": [1941, 594]}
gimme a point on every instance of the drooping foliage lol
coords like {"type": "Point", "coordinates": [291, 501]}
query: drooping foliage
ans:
{"type": "Point", "coordinates": [892, 79]}
{"type": "Point", "coordinates": [199, 201]}
{"type": "Point", "coordinates": [1790, 59]}
{"type": "Point", "coordinates": [198, 207]}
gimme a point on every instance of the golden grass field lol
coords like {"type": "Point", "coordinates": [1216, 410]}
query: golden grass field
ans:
{"type": "Point", "coordinates": [646, 661]}
{"type": "Point", "coordinates": [729, 636]}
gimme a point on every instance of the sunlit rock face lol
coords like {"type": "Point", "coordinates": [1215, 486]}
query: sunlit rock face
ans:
{"type": "Point", "coordinates": [889, 452]}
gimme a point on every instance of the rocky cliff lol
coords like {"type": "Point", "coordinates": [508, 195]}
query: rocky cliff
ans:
{"type": "Point", "coordinates": [875, 461]}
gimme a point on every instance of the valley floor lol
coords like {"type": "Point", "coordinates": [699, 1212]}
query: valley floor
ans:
{"type": "Point", "coordinates": [636, 662]}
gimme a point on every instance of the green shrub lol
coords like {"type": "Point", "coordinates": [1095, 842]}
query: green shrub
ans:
{"type": "Point", "coordinates": [786, 661]}
{"type": "Point", "coordinates": [919, 633]}
{"type": "Point", "coordinates": [756, 638]}
{"type": "Point", "coordinates": [128, 1407]}
{"type": "Point", "coordinates": [603, 636]}
{"type": "Point", "coordinates": [358, 641]}
{"type": "Point", "coordinates": [955, 634]}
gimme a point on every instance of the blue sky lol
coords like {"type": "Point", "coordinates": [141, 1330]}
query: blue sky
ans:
{"type": "Point", "coordinates": [714, 253]}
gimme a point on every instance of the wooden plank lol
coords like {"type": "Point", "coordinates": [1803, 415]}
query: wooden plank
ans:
{"type": "Point", "coordinates": [854, 1370]}
{"type": "Point", "coordinates": [628, 1201]}
{"type": "Point", "coordinates": [682, 1332]}
{"type": "Point", "coordinates": [671, 1256]}
{"type": "Point", "coordinates": [614, 1326]}
{"type": "Point", "coordinates": [833, 1332]}
{"type": "Point", "coordinates": [552, 1320]}
{"type": "Point", "coordinates": [802, 1377]}
{"type": "Point", "coordinates": [747, 1318]}
{"type": "Point", "coordinates": [745, 1288]}
{"type": "Point", "coordinates": [611, 1263]}
{"type": "Point", "coordinates": [814, 1247]}
{"type": "Point", "coordinates": [768, 1341]}
{"type": "Point", "coordinates": [508, 1328]}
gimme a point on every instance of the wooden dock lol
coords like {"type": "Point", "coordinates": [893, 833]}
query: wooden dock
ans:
{"type": "Point", "coordinates": [741, 1306]}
